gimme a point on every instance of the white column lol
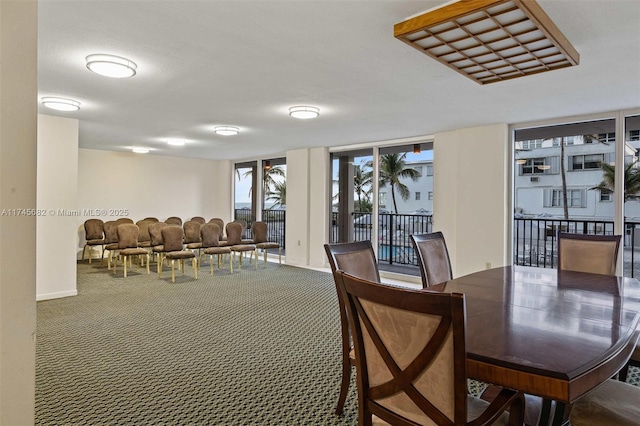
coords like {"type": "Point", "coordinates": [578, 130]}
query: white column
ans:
{"type": "Point", "coordinates": [57, 202]}
{"type": "Point", "coordinates": [18, 110]}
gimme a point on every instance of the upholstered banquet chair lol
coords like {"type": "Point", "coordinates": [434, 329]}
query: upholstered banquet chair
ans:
{"type": "Point", "coordinates": [110, 241]}
{"type": "Point", "coordinates": [157, 246]}
{"type": "Point", "coordinates": [596, 254]}
{"type": "Point", "coordinates": [94, 234]}
{"type": "Point", "coordinates": [433, 258]}
{"type": "Point", "coordinates": [199, 219]}
{"type": "Point", "coordinates": [259, 232]}
{"type": "Point", "coordinates": [236, 244]}
{"type": "Point", "coordinates": [210, 233]}
{"type": "Point", "coordinates": [144, 239]}
{"type": "Point", "coordinates": [192, 239]}
{"type": "Point", "coordinates": [128, 246]}
{"type": "Point", "coordinates": [411, 358]}
{"type": "Point", "coordinates": [358, 259]}
{"type": "Point", "coordinates": [172, 237]}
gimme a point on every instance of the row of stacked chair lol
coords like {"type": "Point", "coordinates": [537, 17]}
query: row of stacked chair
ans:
{"type": "Point", "coordinates": [172, 240]}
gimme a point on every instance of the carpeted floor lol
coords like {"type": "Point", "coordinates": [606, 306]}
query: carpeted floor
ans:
{"type": "Point", "coordinates": [256, 347]}
{"type": "Point", "coordinates": [250, 348]}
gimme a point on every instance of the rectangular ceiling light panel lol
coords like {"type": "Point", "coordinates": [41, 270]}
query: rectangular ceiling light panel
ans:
{"type": "Point", "coordinates": [490, 40]}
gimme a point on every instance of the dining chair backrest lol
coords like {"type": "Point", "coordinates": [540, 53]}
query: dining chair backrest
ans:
{"type": "Point", "coordinates": [143, 226]}
{"type": "Point", "coordinates": [172, 237]}
{"type": "Point", "coordinates": [94, 229]}
{"type": "Point", "coordinates": [110, 232]}
{"type": "Point", "coordinates": [597, 254]}
{"type": "Point", "coordinates": [173, 220]}
{"type": "Point", "coordinates": [210, 232]}
{"type": "Point", "coordinates": [259, 231]}
{"type": "Point", "coordinates": [155, 233]}
{"type": "Point", "coordinates": [191, 231]}
{"type": "Point", "coordinates": [128, 235]}
{"type": "Point", "coordinates": [199, 219]}
{"type": "Point", "coordinates": [220, 224]}
{"type": "Point", "coordinates": [356, 258]}
{"type": "Point", "coordinates": [410, 354]}
{"type": "Point", "coordinates": [242, 223]}
{"type": "Point", "coordinates": [433, 258]}
{"type": "Point", "coordinates": [234, 233]}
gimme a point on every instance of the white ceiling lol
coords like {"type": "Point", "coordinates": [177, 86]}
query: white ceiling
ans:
{"type": "Point", "coordinates": [243, 63]}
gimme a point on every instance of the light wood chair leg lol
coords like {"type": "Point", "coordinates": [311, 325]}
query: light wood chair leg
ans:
{"type": "Point", "coordinates": [148, 263]}
{"type": "Point", "coordinates": [255, 259]}
{"type": "Point", "coordinates": [279, 256]}
{"type": "Point", "coordinates": [194, 264]}
{"type": "Point", "coordinates": [173, 273]}
{"type": "Point", "coordinates": [264, 252]}
{"type": "Point", "coordinates": [211, 264]}
{"type": "Point", "coordinates": [125, 264]}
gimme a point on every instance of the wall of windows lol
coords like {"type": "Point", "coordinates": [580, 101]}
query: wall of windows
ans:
{"type": "Point", "coordinates": [378, 194]}
{"type": "Point", "coordinates": [576, 177]}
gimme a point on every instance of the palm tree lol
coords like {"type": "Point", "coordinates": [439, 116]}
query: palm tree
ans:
{"type": "Point", "coordinates": [362, 185]}
{"type": "Point", "coordinates": [631, 180]}
{"type": "Point", "coordinates": [267, 177]}
{"type": "Point", "coordinates": [392, 169]}
{"type": "Point", "coordinates": [279, 193]}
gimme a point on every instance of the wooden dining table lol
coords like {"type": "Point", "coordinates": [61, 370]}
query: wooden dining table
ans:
{"type": "Point", "coordinates": [554, 334]}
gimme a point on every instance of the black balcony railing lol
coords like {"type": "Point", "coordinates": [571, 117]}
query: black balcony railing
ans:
{"type": "Point", "coordinates": [534, 240]}
{"type": "Point", "coordinates": [275, 220]}
{"type": "Point", "coordinates": [394, 245]}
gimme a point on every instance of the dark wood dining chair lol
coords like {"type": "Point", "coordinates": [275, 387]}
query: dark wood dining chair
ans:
{"type": "Point", "coordinates": [433, 258]}
{"type": "Point", "coordinates": [596, 254]}
{"type": "Point", "coordinates": [411, 358]}
{"type": "Point", "coordinates": [358, 259]}
{"type": "Point", "coordinates": [613, 402]}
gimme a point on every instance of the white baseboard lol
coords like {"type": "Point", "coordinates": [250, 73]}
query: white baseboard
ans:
{"type": "Point", "coordinates": [57, 295]}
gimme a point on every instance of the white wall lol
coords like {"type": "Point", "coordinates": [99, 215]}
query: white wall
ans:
{"type": "Point", "coordinates": [138, 185]}
{"type": "Point", "coordinates": [57, 195]}
{"type": "Point", "coordinates": [18, 111]}
{"type": "Point", "coordinates": [471, 196]}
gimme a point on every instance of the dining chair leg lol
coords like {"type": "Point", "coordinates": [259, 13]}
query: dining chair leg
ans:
{"type": "Point", "coordinates": [148, 263]}
{"type": "Point", "coordinates": [173, 273]}
{"type": "Point", "coordinates": [344, 385]}
{"type": "Point", "coordinates": [211, 264]}
{"type": "Point", "coordinates": [194, 264]}
{"type": "Point", "coordinates": [125, 264]}
{"type": "Point", "coordinates": [279, 256]}
{"type": "Point", "coordinates": [255, 259]}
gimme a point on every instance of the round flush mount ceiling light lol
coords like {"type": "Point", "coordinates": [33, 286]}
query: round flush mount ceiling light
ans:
{"type": "Point", "coordinates": [61, 104]}
{"type": "Point", "coordinates": [140, 150]}
{"type": "Point", "coordinates": [111, 65]}
{"type": "Point", "coordinates": [226, 130]}
{"type": "Point", "coordinates": [304, 112]}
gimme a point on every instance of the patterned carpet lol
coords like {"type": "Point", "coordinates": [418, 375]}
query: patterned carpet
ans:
{"type": "Point", "coordinates": [256, 347]}
{"type": "Point", "coordinates": [250, 348]}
